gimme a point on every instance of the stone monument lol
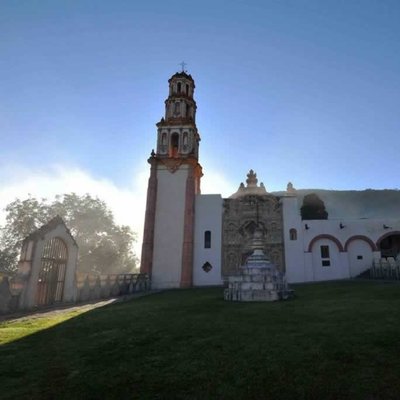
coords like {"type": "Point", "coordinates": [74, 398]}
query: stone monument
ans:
{"type": "Point", "coordinates": [259, 279]}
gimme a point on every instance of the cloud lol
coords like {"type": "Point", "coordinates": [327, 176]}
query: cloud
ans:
{"type": "Point", "coordinates": [216, 183]}
{"type": "Point", "coordinates": [127, 204]}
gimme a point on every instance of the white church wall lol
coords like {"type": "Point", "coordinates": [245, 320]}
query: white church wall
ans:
{"type": "Point", "coordinates": [309, 275]}
{"type": "Point", "coordinates": [370, 229]}
{"type": "Point", "coordinates": [294, 255]}
{"type": "Point", "coordinates": [351, 242]}
{"type": "Point", "coordinates": [169, 225]}
{"type": "Point", "coordinates": [357, 239]}
{"type": "Point", "coordinates": [335, 266]}
{"type": "Point", "coordinates": [360, 257]}
{"type": "Point", "coordinates": [208, 217]}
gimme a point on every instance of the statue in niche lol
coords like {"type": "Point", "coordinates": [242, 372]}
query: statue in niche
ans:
{"type": "Point", "coordinates": [185, 142]}
{"type": "Point", "coordinates": [177, 108]}
{"type": "Point", "coordinates": [164, 142]}
{"type": "Point", "coordinates": [232, 261]}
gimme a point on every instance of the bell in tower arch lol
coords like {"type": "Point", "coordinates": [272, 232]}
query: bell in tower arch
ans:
{"type": "Point", "coordinates": [174, 146]}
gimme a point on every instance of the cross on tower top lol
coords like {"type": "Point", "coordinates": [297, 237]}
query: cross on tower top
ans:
{"type": "Point", "coordinates": [182, 64]}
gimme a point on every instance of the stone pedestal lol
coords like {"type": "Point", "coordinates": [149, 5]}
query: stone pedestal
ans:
{"type": "Point", "coordinates": [259, 280]}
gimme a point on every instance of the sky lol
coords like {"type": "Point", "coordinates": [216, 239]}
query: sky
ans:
{"type": "Point", "coordinates": [298, 90]}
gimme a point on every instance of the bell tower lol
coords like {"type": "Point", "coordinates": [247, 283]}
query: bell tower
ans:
{"type": "Point", "coordinates": [167, 251]}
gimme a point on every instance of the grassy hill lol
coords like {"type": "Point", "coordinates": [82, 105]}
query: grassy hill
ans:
{"type": "Point", "coordinates": [337, 340]}
{"type": "Point", "coordinates": [355, 204]}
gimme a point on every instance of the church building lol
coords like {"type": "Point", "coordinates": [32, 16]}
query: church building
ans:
{"type": "Point", "coordinates": [191, 239]}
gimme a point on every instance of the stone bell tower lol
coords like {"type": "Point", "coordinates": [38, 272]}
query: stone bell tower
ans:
{"type": "Point", "coordinates": [167, 251]}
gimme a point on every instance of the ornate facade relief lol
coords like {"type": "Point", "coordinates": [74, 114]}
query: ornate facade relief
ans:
{"type": "Point", "coordinates": [249, 208]}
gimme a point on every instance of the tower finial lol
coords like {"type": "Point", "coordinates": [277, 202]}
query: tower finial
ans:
{"type": "Point", "coordinates": [182, 64]}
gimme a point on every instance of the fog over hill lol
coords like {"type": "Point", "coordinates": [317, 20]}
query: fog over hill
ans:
{"type": "Point", "coordinates": [355, 204]}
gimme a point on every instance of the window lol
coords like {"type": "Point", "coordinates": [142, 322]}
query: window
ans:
{"type": "Point", "coordinates": [293, 234]}
{"type": "Point", "coordinates": [207, 239]}
{"type": "Point", "coordinates": [326, 262]}
{"type": "Point", "coordinates": [207, 267]}
{"type": "Point", "coordinates": [324, 251]}
{"type": "Point", "coordinates": [179, 87]}
{"type": "Point", "coordinates": [359, 257]}
{"type": "Point", "coordinates": [187, 89]}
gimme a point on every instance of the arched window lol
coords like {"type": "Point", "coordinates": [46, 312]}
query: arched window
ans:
{"type": "Point", "coordinates": [207, 239]}
{"type": "Point", "coordinates": [293, 234]}
{"type": "Point", "coordinates": [179, 87]}
{"type": "Point", "coordinates": [187, 89]}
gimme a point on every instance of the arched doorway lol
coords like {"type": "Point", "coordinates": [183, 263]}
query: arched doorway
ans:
{"type": "Point", "coordinates": [327, 260]}
{"type": "Point", "coordinates": [389, 245]}
{"type": "Point", "coordinates": [50, 286]}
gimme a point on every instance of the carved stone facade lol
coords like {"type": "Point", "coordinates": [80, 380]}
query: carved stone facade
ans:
{"type": "Point", "coordinates": [251, 207]}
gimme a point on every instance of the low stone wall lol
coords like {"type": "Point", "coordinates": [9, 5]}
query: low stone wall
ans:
{"type": "Point", "coordinates": [93, 287]}
{"type": "Point", "coordinates": [9, 298]}
{"type": "Point", "coordinates": [88, 287]}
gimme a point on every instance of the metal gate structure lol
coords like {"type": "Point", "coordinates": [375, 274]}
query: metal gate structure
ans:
{"type": "Point", "coordinates": [50, 286]}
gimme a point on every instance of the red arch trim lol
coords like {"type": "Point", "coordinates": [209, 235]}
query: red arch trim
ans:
{"type": "Point", "coordinates": [325, 236]}
{"type": "Point", "coordinates": [378, 242]}
{"type": "Point", "coordinates": [360, 237]}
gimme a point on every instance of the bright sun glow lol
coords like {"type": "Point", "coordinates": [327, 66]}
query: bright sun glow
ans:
{"type": "Point", "coordinates": [127, 204]}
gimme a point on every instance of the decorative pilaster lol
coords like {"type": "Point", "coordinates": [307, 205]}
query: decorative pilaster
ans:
{"type": "Point", "coordinates": [188, 232]}
{"type": "Point", "coordinates": [148, 234]}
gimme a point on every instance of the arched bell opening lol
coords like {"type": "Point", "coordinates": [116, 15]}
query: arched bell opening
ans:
{"type": "Point", "coordinates": [174, 145]}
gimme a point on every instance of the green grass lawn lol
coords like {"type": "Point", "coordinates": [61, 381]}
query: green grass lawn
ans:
{"type": "Point", "coordinates": [332, 341]}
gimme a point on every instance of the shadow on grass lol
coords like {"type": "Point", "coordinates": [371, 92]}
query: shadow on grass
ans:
{"type": "Point", "coordinates": [334, 340]}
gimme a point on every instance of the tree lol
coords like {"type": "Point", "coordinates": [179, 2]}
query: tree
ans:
{"type": "Point", "coordinates": [313, 208]}
{"type": "Point", "coordinates": [104, 247]}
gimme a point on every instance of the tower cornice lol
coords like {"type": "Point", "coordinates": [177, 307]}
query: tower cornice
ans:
{"type": "Point", "coordinates": [180, 96]}
{"type": "Point", "coordinates": [173, 164]}
{"type": "Point", "coordinates": [183, 75]}
{"type": "Point", "coordinates": [176, 121]}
